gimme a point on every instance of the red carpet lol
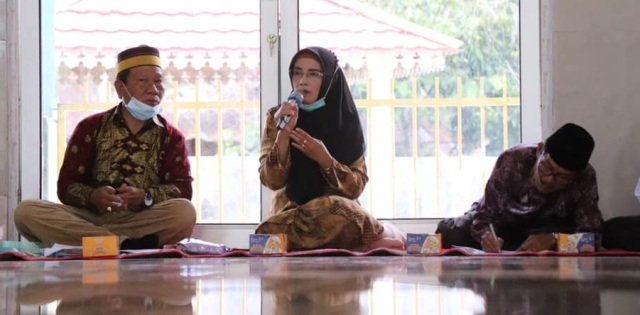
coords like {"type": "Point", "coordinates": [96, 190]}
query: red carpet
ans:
{"type": "Point", "coordinates": [175, 253]}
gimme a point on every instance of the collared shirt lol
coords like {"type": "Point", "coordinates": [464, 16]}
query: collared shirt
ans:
{"type": "Point", "coordinates": [103, 151]}
{"type": "Point", "coordinates": [511, 198]}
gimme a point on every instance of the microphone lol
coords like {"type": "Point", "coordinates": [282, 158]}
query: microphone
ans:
{"type": "Point", "coordinates": [294, 99]}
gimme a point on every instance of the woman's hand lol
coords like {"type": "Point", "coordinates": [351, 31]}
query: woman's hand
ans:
{"type": "Point", "coordinates": [311, 147]}
{"type": "Point", "coordinates": [287, 109]}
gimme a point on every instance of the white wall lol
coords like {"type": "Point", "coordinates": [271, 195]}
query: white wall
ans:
{"type": "Point", "coordinates": [595, 70]}
{"type": "Point", "coordinates": [3, 118]}
{"type": "Point", "coordinates": [9, 116]}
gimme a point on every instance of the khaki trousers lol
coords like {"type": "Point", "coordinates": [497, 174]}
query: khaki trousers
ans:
{"type": "Point", "coordinates": [47, 222]}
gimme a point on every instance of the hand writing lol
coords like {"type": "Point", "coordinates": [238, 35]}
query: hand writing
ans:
{"type": "Point", "coordinates": [490, 244]}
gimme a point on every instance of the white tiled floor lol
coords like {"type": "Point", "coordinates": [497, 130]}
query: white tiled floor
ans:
{"type": "Point", "coordinates": [324, 285]}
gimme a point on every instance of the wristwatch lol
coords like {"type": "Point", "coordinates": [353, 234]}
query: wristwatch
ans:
{"type": "Point", "coordinates": [148, 199]}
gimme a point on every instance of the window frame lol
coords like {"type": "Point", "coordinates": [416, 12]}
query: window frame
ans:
{"type": "Point", "coordinates": [29, 80]}
{"type": "Point", "coordinates": [277, 17]}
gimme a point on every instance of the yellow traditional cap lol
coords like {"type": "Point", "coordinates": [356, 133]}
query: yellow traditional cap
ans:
{"type": "Point", "coordinates": [142, 55]}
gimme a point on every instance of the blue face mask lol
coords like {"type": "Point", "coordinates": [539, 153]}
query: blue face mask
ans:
{"type": "Point", "coordinates": [140, 110]}
{"type": "Point", "coordinates": [319, 103]}
{"type": "Point", "coordinates": [311, 107]}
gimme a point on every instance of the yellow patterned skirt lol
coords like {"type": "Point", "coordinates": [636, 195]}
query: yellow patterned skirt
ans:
{"type": "Point", "coordinates": [324, 222]}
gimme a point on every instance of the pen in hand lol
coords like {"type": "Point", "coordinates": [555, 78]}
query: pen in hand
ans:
{"type": "Point", "coordinates": [493, 233]}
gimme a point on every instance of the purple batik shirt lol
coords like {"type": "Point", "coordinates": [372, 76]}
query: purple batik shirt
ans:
{"type": "Point", "coordinates": [511, 199]}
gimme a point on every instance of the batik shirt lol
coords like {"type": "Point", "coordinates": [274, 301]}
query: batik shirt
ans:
{"type": "Point", "coordinates": [511, 198]}
{"type": "Point", "coordinates": [308, 223]}
{"type": "Point", "coordinates": [344, 180]}
{"type": "Point", "coordinates": [103, 151]}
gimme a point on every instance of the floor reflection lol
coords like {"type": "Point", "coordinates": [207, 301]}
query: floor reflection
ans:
{"type": "Point", "coordinates": [531, 287]}
{"type": "Point", "coordinates": [324, 285]}
{"type": "Point", "coordinates": [101, 288]}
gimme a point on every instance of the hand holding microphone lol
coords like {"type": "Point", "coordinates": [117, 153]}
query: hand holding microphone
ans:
{"type": "Point", "coordinates": [295, 99]}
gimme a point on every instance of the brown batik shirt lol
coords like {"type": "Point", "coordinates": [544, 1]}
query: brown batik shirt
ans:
{"type": "Point", "coordinates": [344, 180]}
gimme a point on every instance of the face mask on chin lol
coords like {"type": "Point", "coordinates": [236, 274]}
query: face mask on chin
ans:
{"type": "Point", "coordinates": [320, 102]}
{"type": "Point", "coordinates": [311, 107]}
{"type": "Point", "coordinates": [140, 110]}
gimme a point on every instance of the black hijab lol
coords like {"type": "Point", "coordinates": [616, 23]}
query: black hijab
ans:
{"type": "Point", "coordinates": [336, 124]}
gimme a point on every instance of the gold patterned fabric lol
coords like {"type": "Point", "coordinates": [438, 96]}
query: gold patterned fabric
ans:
{"type": "Point", "coordinates": [333, 220]}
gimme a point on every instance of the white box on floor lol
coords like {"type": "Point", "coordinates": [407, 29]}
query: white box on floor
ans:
{"type": "Point", "coordinates": [267, 243]}
{"type": "Point", "coordinates": [423, 243]}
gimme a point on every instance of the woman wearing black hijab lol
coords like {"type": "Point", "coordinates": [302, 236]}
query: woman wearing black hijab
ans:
{"type": "Point", "coordinates": [315, 163]}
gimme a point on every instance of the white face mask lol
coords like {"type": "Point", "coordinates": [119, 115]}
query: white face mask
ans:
{"type": "Point", "coordinates": [140, 110]}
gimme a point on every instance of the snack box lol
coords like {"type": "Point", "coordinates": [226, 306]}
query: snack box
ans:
{"type": "Point", "coordinates": [576, 243]}
{"type": "Point", "coordinates": [96, 246]}
{"type": "Point", "coordinates": [267, 244]}
{"type": "Point", "coordinates": [423, 243]}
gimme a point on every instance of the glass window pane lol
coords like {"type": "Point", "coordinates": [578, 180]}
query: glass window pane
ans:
{"type": "Point", "coordinates": [438, 83]}
{"type": "Point", "coordinates": [210, 54]}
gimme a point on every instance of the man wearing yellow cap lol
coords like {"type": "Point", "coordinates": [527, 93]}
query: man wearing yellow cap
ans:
{"type": "Point", "coordinates": [125, 171]}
